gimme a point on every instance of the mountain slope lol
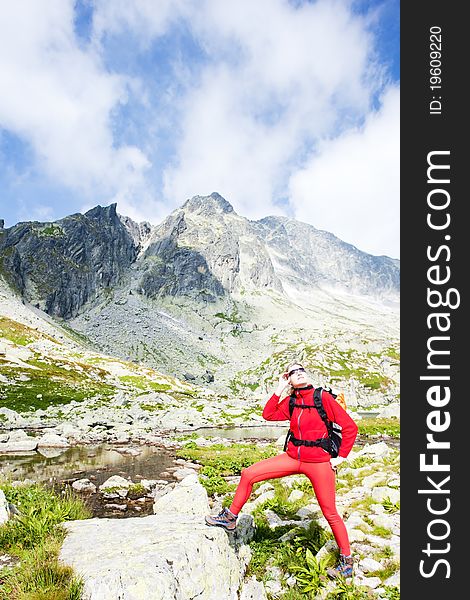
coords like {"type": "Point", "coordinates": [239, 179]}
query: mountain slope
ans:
{"type": "Point", "coordinates": [214, 298]}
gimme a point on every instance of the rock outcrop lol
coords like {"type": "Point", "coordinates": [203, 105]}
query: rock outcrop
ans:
{"type": "Point", "coordinates": [209, 296]}
{"type": "Point", "coordinates": [60, 266]}
{"type": "Point", "coordinates": [203, 250]}
{"type": "Point", "coordinates": [171, 555]}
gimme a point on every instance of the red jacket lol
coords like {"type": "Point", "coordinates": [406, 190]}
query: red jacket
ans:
{"type": "Point", "coordinates": [308, 425]}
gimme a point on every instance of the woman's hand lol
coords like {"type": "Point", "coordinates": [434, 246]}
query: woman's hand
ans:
{"type": "Point", "coordinates": [336, 461]}
{"type": "Point", "coordinates": [282, 384]}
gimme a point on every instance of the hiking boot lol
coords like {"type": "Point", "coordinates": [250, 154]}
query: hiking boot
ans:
{"type": "Point", "coordinates": [224, 519]}
{"type": "Point", "coordinates": [344, 568]}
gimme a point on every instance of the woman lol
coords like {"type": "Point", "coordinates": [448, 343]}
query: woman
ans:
{"type": "Point", "coordinates": [312, 461]}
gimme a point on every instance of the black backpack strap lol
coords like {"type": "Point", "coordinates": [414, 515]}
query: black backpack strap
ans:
{"type": "Point", "coordinates": [291, 404]}
{"type": "Point", "coordinates": [321, 409]}
{"type": "Point", "coordinates": [330, 391]}
{"type": "Point", "coordinates": [288, 437]}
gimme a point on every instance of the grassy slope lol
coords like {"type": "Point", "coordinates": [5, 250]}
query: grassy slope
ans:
{"type": "Point", "coordinates": [37, 371]}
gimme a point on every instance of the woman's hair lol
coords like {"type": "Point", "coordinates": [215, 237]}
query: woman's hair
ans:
{"type": "Point", "coordinates": [290, 389]}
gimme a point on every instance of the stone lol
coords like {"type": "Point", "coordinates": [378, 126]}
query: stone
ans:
{"type": "Point", "coordinates": [167, 555]}
{"type": "Point", "coordinates": [265, 487]}
{"type": "Point", "coordinates": [252, 589]}
{"type": "Point", "coordinates": [84, 485]}
{"type": "Point", "coordinates": [372, 480]}
{"type": "Point", "coordinates": [4, 508]}
{"type": "Point", "coordinates": [369, 565]}
{"type": "Point", "coordinates": [19, 446]}
{"type": "Point", "coordinates": [116, 481]}
{"type": "Point", "coordinates": [379, 450]}
{"type": "Point", "coordinates": [393, 580]}
{"type": "Point", "coordinates": [50, 452]}
{"type": "Point", "coordinates": [180, 474]}
{"type": "Point", "coordinates": [52, 440]}
{"type": "Point", "coordinates": [371, 582]}
{"type": "Point", "coordinates": [380, 493]}
{"type": "Point", "coordinates": [187, 498]}
{"type": "Point", "coordinates": [295, 495]}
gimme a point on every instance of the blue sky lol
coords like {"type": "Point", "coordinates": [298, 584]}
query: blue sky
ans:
{"type": "Point", "coordinates": [288, 108]}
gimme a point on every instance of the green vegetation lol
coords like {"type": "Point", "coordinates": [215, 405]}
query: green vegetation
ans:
{"type": "Point", "coordinates": [233, 317]}
{"type": "Point", "coordinates": [389, 569]}
{"type": "Point", "coordinates": [281, 505]}
{"type": "Point", "coordinates": [49, 230]}
{"type": "Point", "coordinates": [136, 490]}
{"type": "Point", "coordinates": [392, 593]}
{"type": "Point", "coordinates": [389, 506]}
{"type": "Point", "coordinates": [361, 461]}
{"type": "Point", "coordinates": [228, 460]}
{"type": "Point", "coordinates": [76, 335]}
{"type": "Point", "coordinates": [221, 461]}
{"type": "Point", "coordinates": [152, 407]}
{"type": "Point", "coordinates": [215, 483]}
{"type": "Point", "coordinates": [289, 556]}
{"type": "Point", "coordinates": [35, 537]}
{"type": "Point", "coordinates": [311, 574]}
{"type": "Point", "coordinates": [49, 383]}
{"type": "Point", "coordinates": [385, 426]}
{"type": "Point", "coordinates": [393, 352]}
{"type": "Point", "coordinates": [144, 383]}
{"type": "Point", "coordinates": [349, 591]}
{"type": "Point", "coordinates": [19, 334]}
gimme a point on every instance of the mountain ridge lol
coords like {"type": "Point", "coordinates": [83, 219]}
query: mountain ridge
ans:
{"type": "Point", "coordinates": [206, 293]}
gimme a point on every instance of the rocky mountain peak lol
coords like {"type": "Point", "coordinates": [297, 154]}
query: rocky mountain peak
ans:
{"type": "Point", "coordinates": [208, 205]}
{"type": "Point", "coordinates": [140, 232]}
{"type": "Point", "coordinates": [102, 212]}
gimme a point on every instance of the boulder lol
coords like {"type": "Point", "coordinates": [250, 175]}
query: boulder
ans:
{"type": "Point", "coordinates": [188, 498]}
{"type": "Point", "coordinates": [84, 485]}
{"type": "Point", "coordinates": [115, 482]}
{"type": "Point", "coordinates": [18, 446]}
{"type": "Point", "coordinates": [171, 555]}
{"type": "Point", "coordinates": [4, 508]}
{"type": "Point", "coordinates": [52, 440]}
{"type": "Point", "coordinates": [253, 590]}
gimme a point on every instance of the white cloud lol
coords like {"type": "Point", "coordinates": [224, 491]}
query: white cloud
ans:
{"type": "Point", "coordinates": [313, 68]}
{"type": "Point", "coordinates": [351, 185]}
{"type": "Point", "coordinates": [266, 118]}
{"type": "Point", "coordinates": [58, 99]}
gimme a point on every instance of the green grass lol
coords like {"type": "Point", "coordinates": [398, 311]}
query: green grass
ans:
{"type": "Point", "coordinates": [49, 384]}
{"type": "Point", "coordinates": [385, 426]}
{"type": "Point", "coordinates": [19, 334]}
{"type": "Point", "coordinates": [220, 461]}
{"type": "Point", "coordinates": [233, 317]}
{"type": "Point", "coordinates": [292, 557]}
{"type": "Point", "coordinates": [390, 568]}
{"type": "Point", "coordinates": [361, 461]}
{"type": "Point", "coordinates": [50, 230]}
{"type": "Point", "coordinates": [281, 505]}
{"type": "Point", "coordinates": [35, 537]}
{"type": "Point", "coordinates": [227, 460]}
{"type": "Point", "coordinates": [152, 407]}
{"type": "Point", "coordinates": [143, 383]}
{"type": "Point", "coordinates": [389, 506]}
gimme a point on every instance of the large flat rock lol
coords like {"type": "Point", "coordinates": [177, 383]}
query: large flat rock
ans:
{"type": "Point", "coordinates": [158, 557]}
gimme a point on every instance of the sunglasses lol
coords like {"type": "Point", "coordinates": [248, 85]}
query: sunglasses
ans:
{"type": "Point", "coordinates": [295, 371]}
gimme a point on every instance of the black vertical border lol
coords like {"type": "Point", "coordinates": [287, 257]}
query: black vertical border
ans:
{"type": "Point", "coordinates": [422, 132]}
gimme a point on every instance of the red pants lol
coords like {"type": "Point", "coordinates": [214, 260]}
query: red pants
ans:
{"type": "Point", "coordinates": [322, 478]}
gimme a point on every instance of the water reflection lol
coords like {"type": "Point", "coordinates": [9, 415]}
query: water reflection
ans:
{"type": "Point", "coordinates": [99, 461]}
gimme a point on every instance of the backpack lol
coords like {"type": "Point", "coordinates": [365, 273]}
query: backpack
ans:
{"type": "Point", "coordinates": [332, 443]}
